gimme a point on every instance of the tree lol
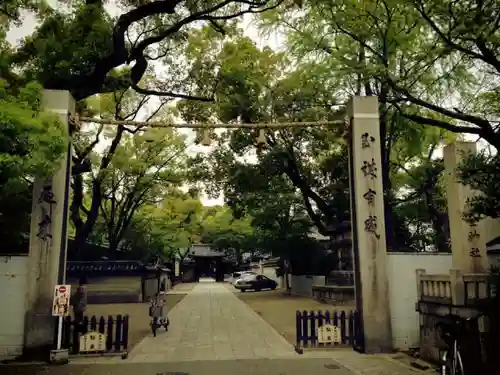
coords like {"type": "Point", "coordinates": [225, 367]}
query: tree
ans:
{"type": "Point", "coordinates": [413, 55]}
{"type": "Point", "coordinates": [254, 88]}
{"type": "Point", "coordinates": [226, 233]}
{"type": "Point", "coordinates": [421, 212]}
{"type": "Point", "coordinates": [144, 33]}
{"type": "Point", "coordinates": [167, 229]}
{"type": "Point", "coordinates": [10, 10]}
{"type": "Point", "coordinates": [142, 170]}
{"type": "Point", "coordinates": [32, 143]}
{"type": "Point", "coordinates": [381, 48]}
{"type": "Point", "coordinates": [481, 172]}
{"type": "Point", "coordinates": [124, 105]}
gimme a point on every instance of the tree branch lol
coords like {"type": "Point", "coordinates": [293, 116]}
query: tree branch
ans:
{"type": "Point", "coordinates": [95, 83]}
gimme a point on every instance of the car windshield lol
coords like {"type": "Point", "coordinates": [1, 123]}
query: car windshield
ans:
{"type": "Point", "coordinates": [243, 273]}
{"type": "Point", "coordinates": [248, 277]}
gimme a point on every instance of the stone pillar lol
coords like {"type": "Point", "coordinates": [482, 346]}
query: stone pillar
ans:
{"type": "Point", "coordinates": [468, 242]}
{"type": "Point", "coordinates": [48, 240]}
{"type": "Point", "coordinates": [368, 225]}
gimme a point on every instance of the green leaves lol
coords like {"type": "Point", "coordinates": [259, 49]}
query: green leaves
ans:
{"type": "Point", "coordinates": [32, 143]}
{"type": "Point", "coordinates": [143, 170]}
{"type": "Point", "coordinates": [31, 140]}
{"type": "Point", "coordinates": [168, 228]}
{"type": "Point", "coordinates": [482, 173]}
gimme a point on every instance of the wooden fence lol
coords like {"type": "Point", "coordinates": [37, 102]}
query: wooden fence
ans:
{"type": "Point", "coordinates": [308, 322]}
{"type": "Point", "coordinates": [115, 329]}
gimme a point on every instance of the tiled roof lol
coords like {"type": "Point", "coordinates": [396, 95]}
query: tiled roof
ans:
{"type": "Point", "coordinates": [204, 250]}
{"type": "Point", "coordinates": [104, 266]}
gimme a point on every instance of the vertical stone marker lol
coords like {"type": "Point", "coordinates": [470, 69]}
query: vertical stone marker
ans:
{"type": "Point", "coordinates": [468, 242]}
{"type": "Point", "coordinates": [48, 240]}
{"type": "Point", "coordinates": [368, 224]}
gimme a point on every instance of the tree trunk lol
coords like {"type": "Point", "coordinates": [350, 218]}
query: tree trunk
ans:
{"type": "Point", "coordinates": [287, 282]}
{"type": "Point", "coordinates": [386, 178]}
{"type": "Point", "coordinates": [79, 244]}
{"type": "Point", "coordinates": [286, 266]}
{"type": "Point", "coordinates": [113, 246]}
{"type": "Point", "coordinates": [441, 237]}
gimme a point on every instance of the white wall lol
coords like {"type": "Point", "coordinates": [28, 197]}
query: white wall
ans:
{"type": "Point", "coordinates": [13, 289]}
{"type": "Point", "coordinates": [403, 292]}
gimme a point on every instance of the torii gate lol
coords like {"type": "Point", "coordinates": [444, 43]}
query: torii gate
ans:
{"type": "Point", "coordinates": [47, 254]}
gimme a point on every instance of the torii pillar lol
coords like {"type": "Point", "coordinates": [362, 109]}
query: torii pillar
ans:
{"type": "Point", "coordinates": [368, 225]}
{"type": "Point", "coordinates": [468, 240]}
{"type": "Point", "coordinates": [48, 240]}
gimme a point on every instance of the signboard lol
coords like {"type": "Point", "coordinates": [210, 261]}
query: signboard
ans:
{"type": "Point", "coordinates": [93, 342]}
{"type": "Point", "coordinates": [329, 334]}
{"type": "Point", "coordinates": [60, 302]}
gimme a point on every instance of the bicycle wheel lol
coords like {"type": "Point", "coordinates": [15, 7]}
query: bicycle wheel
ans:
{"type": "Point", "coordinates": [459, 366]}
{"type": "Point", "coordinates": [452, 363]}
{"type": "Point", "coordinates": [446, 363]}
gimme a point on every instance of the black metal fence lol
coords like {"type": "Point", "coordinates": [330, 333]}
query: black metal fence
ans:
{"type": "Point", "coordinates": [340, 278]}
{"type": "Point", "coordinates": [116, 330]}
{"type": "Point", "coordinates": [308, 322]}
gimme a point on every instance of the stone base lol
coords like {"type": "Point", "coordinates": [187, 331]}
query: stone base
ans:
{"type": "Point", "coordinates": [39, 353]}
{"type": "Point", "coordinates": [59, 357]}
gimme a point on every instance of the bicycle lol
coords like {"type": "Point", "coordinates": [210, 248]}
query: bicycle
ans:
{"type": "Point", "coordinates": [158, 319]}
{"type": "Point", "coordinates": [452, 333]}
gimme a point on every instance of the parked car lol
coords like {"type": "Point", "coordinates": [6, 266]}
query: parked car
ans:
{"type": "Point", "coordinates": [238, 275]}
{"type": "Point", "coordinates": [255, 282]}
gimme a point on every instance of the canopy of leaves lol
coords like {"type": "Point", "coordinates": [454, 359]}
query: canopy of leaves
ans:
{"type": "Point", "coordinates": [32, 143]}
{"type": "Point", "coordinates": [258, 85]}
{"type": "Point", "coordinates": [482, 173]}
{"type": "Point", "coordinates": [31, 140]}
{"type": "Point", "coordinates": [142, 35]}
{"type": "Point", "coordinates": [167, 229]}
{"type": "Point", "coordinates": [433, 65]}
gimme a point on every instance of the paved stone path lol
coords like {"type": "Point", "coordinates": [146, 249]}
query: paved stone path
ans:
{"type": "Point", "coordinates": [213, 332]}
{"type": "Point", "coordinates": [212, 323]}
{"type": "Point", "coordinates": [341, 362]}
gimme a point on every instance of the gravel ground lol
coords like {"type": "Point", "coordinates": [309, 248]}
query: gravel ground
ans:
{"type": "Point", "coordinates": [278, 309]}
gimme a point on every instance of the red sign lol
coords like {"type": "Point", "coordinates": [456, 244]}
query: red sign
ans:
{"type": "Point", "coordinates": [62, 289]}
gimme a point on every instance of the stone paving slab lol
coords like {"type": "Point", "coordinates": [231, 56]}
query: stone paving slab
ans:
{"type": "Point", "coordinates": [366, 364]}
{"type": "Point", "coordinates": [211, 323]}
{"type": "Point", "coordinates": [233, 367]}
{"type": "Point", "coordinates": [342, 363]}
{"type": "Point", "coordinates": [181, 288]}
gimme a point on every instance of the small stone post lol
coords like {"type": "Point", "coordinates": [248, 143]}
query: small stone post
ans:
{"type": "Point", "coordinates": [368, 224]}
{"type": "Point", "coordinates": [468, 242]}
{"type": "Point", "coordinates": [419, 273]}
{"type": "Point", "coordinates": [48, 241]}
{"type": "Point", "coordinates": [457, 287]}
